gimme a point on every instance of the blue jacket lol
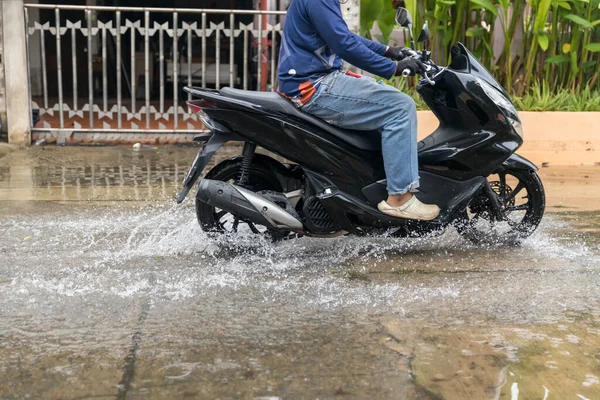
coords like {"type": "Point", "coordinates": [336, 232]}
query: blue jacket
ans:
{"type": "Point", "coordinates": [315, 40]}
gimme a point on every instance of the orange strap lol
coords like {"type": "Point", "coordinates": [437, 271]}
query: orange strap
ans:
{"type": "Point", "coordinates": [349, 73]}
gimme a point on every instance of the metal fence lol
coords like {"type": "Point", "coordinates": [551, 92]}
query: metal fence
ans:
{"type": "Point", "coordinates": [120, 70]}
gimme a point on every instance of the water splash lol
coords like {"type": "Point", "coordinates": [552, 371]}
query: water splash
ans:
{"type": "Point", "coordinates": [159, 251]}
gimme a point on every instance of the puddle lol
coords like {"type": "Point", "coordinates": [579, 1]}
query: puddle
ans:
{"type": "Point", "coordinates": [503, 362]}
{"type": "Point", "coordinates": [108, 289]}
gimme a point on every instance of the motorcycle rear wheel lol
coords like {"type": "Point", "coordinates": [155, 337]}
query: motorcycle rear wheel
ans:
{"type": "Point", "coordinates": [521, 194]}
{"type": "Point", "coordinates": [216, 222]}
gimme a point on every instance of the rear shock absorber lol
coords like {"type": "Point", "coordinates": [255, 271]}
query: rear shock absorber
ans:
{"type": "Point", "coordinates": [248, 155]}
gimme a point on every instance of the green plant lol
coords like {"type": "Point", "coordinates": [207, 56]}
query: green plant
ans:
{"type": "Point", "coordinates": [380, 11]}
{"type": "Point", "coordinates": [538, 97]}
{"type": "Point", "coordinates": [551, 43]}
{"type": "Point", "coordinates": [541, 97]}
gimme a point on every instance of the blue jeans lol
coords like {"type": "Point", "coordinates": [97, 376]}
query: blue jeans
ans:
{"type": "Point", "coordinates": [365, 105]}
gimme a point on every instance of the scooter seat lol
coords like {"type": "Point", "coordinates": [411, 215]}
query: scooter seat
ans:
{"type": "Point", "coordinates": [271, 101]}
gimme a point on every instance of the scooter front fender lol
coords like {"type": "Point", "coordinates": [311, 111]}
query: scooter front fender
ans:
{"type": "Point", "coordinates": [217, 140]}
{"type": "Point", "coordinates": [516, 161]}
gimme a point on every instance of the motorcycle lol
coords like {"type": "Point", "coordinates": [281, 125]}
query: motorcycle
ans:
{"type": "Point", "coordinates": [335, 177]}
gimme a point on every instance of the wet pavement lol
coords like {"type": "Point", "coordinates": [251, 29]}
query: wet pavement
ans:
{"type": "Point", "coordinates": [110, 290]}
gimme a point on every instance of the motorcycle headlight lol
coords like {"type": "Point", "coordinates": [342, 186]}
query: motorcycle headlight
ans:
{"type": "Point", "coordinates": [517, 126]}
{"type": "Point", "coordinates": [505, 104]}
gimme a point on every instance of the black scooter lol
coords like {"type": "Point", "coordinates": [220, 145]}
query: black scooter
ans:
{"type": "Point", "coordinates": [335, 178]}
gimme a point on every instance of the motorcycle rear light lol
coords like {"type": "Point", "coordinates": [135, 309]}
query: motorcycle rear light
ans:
{"type": "Point", "coordinates": [198, 105]}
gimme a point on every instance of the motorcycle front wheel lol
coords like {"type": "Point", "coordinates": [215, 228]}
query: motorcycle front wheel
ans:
{"type": "Point", "coordinates": [521, 195]}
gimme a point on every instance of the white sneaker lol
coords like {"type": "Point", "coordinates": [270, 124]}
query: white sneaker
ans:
{"type": "Point", "coordinates": [412, 209]}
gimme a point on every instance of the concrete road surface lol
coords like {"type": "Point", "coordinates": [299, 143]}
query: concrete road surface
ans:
{"type": "Point", "coordinates": [108, 289]}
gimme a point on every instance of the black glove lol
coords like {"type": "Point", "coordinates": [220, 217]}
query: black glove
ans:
{"type": "Point", "coordinates": [397, 53]}
{"type": "Point", "coordinates": [415, 66]}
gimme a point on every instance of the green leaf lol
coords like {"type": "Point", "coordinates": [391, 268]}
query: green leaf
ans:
{"type": "Point", "coordinates": [587, 65]}
{"type": "Point", "coordinates": [543, 41]}
{"type": "Point", "coordinates": [565, 5]}
{"type": "Point", "coordinates": [596, 22]}
{"type": "Point", "coordinates": [369, 12]}
{"type": "Point", "coordinates": [541, 15]}
{"type": "Point", "coordinates": [580, 21]}
{"type": "Point", "coordinates": [504, 4]}
{"type": "Point", "coordinates": [475, 31]}
{"type": "Point", "coordinates": [446, 2]}
{"type": "Point", "coordinates": [386, 23]}
{"type": "Point", "coordinates": [557, 59]}
{"type": "Point", "coordinates": [593, 47]}
{"type": "Point", "coordinates": [487, 4]}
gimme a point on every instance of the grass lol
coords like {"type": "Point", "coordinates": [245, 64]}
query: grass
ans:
{"type": "Point", "coordinates": [540, 98]}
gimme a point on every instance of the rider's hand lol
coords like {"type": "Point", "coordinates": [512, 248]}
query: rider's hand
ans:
{"type": "Point", "coordinates": [397, 53]}
{"type": "Point", "coordinates": [415, 66]}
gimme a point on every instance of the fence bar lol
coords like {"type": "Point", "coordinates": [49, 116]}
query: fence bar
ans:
{"type": "Point", "coordinates": [27, 50]}
{"type": "Point", "coordinates": [231, 48]}
{"type": "Point", "coordinates": [203, 50]}
{"type": "Point", "coordinates": [44, 73]}
{"type": "Point", "coordinates": [273, 55]}
{"type": "Point", "coordinates": [147, 65]}
{"type": "Point", "coordinates": [161, 61]}
{"type": "Point", "coordinates": [119, 100]}
{"type": "Point", "coordinates": [246, 58]}
{"type": "Point", "coordinates": [90, 68]}
{"type": "Point", "coordinates": [133, 77]}
{"type": "Point", "coordinates": [189, 58]}
{"type": "Point", "coordinates": [74, 63]}
{"type": "Point", "coordinates": [104, 72]}
{"type": "Point", "coordinates": [260, 55]}
{"type": "Point", "coordinates": [59, 69]}
{"type": "Point", "coordinates": [175, 72]}
{"type": "Point", "coordinates": [218, 57]}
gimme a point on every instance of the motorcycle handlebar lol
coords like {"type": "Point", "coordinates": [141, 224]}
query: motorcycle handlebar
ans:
{"type": "Point", "coordinates": [423, 56]}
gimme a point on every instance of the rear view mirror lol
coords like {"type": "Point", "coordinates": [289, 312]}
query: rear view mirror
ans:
{"type": "Point", "coordinates": [403, 17]}
{"type": "Point", "coordinates": [424, 35]}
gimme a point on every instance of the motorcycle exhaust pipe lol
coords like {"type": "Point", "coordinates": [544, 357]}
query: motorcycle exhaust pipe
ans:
{"type": "Point", "coordinates": [246, 204]}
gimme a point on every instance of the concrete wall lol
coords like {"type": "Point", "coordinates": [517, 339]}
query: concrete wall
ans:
{"type": "Point", "coordinates": [35, 50]}
{"type": "Point", "coordinates": [16, 73]}
{"type": "Point", "coordinates": [2, 91]}
{"type": "Point", "coordinates": [551, 138]}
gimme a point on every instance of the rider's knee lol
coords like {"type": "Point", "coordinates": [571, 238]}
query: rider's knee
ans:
{"type": "Point", "coordinates": [403, 103]}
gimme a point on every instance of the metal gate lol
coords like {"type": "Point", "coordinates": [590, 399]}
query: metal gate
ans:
{"type": "Point", "coordinates": [115, 74]}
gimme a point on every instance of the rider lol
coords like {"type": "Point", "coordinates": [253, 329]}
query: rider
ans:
{"type": "Point", "coordinates": [315, 40]}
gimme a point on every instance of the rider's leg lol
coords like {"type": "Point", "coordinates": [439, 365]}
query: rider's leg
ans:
{"type": "Point", "coordinates": [363, 104]}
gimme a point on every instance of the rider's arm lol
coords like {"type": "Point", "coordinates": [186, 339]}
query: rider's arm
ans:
{"type": "Point", "coordinates": [373, 46]}
{"type": "Point", "coordinates": [327, 19]}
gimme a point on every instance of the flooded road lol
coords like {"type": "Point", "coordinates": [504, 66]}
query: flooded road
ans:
{"type": "Point", "coordinates": [110, 290]}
